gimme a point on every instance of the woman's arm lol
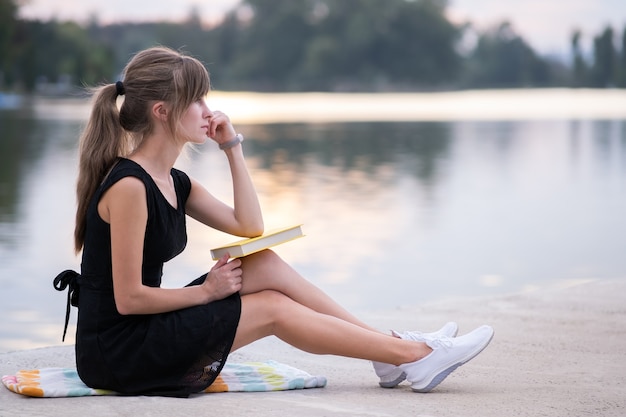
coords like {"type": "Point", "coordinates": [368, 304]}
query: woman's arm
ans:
{"type": "Point", "coordinates": [124, 207]}
{"type": "Point", "coordinates": [245, 217]}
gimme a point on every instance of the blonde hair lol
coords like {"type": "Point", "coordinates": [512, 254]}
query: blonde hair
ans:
{"type": "Point", "coordinates": [152, 75]}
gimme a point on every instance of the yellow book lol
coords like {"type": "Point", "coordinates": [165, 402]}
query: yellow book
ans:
{"type": "Point", "coordinates": [266, 240]}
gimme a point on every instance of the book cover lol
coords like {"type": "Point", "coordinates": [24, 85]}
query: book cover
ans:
{"type": "Point", "coordinates": [249, 246]}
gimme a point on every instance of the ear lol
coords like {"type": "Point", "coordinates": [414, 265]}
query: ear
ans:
{"type": "Point", "coordinates": [160, 111]}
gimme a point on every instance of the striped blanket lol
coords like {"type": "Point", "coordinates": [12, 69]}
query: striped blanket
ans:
{"type": "Point", "coordinates": [235, 377]}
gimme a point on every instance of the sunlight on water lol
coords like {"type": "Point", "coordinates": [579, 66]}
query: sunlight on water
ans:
{"type": "Point", "coordinates": [524, 104]}
{"type": "Point", "coordinates": [510, 193]}
{"type": "Point", "coordinates": [458, 105]}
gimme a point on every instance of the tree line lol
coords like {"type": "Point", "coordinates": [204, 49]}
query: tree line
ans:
{"type": "Point", "coordinates": [306, 45]}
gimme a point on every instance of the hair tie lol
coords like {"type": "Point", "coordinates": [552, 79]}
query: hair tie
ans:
{"type": "Point", "coordinates": [119, 86]}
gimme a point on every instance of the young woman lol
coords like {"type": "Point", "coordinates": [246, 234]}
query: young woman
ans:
{"type": "Point", "coordinates": [135, 337]}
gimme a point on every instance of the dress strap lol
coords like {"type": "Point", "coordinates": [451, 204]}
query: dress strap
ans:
{"type": "Point", "coordinates": [68, 279]}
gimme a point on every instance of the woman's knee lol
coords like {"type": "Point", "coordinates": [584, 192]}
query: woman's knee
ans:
{"type": "Point", "coordinates": [261, 271]}
{"type": "Point", "coordinates": [262, 259]}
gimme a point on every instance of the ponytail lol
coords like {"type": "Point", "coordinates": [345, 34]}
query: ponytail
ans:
{"type": "Point", "coordinates": [101, 143]}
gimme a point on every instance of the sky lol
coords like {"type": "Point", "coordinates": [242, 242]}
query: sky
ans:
{"type": "Point", "coordinates": [546, 25]}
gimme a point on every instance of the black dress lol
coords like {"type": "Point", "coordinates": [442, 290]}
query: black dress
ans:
{"type": "Point", "coordinates": [169, 354]}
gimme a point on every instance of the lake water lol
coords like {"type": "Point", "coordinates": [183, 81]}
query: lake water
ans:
{"type": "Point", "coordinates": [396, 213]}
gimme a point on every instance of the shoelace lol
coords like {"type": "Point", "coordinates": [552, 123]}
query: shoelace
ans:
{"type": "Point", "coordinates": [443, 342]}
{"type": "Point", "coordinates": [410, 335]}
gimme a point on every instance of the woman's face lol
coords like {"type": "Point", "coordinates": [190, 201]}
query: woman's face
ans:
{"type": "Point", "coordinates": [194, 123]}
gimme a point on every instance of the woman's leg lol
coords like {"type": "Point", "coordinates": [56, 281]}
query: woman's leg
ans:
{"type": "Point", "coordinates": [267, 271]}
{"type": "Point", "coordinates": [425, 364]}
{"type": "Point", "coordinates": [268, 313]}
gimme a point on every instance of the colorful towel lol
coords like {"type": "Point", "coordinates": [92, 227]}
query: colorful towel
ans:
{"type": "Point", "coordinates": [235, 377]}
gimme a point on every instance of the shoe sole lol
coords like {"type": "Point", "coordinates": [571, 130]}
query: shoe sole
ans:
{"type": "Point", "coordinates": [444, 374]}
{"type": "Point", "coordinates": [402, 376]}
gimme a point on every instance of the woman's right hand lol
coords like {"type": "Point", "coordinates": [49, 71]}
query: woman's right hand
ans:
{"type": "Point", "coordinates": [223, 279]}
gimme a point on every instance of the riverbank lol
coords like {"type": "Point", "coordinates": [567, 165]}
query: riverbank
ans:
{"type": "Point", "coordinates": [556, 352]}
{"type": "Point", "coordinates": [485, 105]}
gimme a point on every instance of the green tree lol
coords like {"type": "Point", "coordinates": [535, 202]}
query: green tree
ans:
{"type": "Point", "coordinates": [503, 59]}
{"type": "Point", "coordinates": [353, 44]}
{"type": "Point", "coordinates": [53, 52]}
{"type": "Point", "coordinates": [8, 12]}
{"type": "Point", "coordinates": [273, 42]}
{"type": "Point", "coordinates": [401, 43]}
{"type": "Point", "coordinates": [604, 64]}
{"type": "Point", "coordinates": [622, 62]}
{"type": "Point", "coordinates": [579, 67]}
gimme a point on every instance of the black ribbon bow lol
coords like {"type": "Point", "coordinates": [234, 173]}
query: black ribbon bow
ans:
{"type": "Point", "coordinates": [68, 279]}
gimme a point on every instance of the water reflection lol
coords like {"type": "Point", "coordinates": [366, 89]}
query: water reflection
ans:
{"type": "Point", "coordinates": [16, 151]}
{"type": "Point", "coordinates": [395, 213]}
{"type": "Point", "coordinates": [366, 147]}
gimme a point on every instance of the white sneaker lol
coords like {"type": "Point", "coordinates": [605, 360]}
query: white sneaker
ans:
{"type": "Point", "coordinates": [447, 355]}
{"type": "Point", "coordinates": [391, 375]}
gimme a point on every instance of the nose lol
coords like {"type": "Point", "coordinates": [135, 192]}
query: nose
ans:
{"type": "Point", "coordinates": [206, 110]}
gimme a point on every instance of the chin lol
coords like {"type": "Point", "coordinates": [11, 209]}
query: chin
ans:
{"type": "Point", "coordinates": [198, 140]}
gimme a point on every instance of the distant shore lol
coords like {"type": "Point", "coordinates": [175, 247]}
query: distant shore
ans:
{"type": "Point", "coordinates": [515, 104]}
{"type": "Point", "coordinates": [556, 352]}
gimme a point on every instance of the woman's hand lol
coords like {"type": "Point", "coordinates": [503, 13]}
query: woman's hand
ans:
{"type": "Point", "coordinates": [220, 129]}
{"type": "Point", "coordinates": [223, 279]}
